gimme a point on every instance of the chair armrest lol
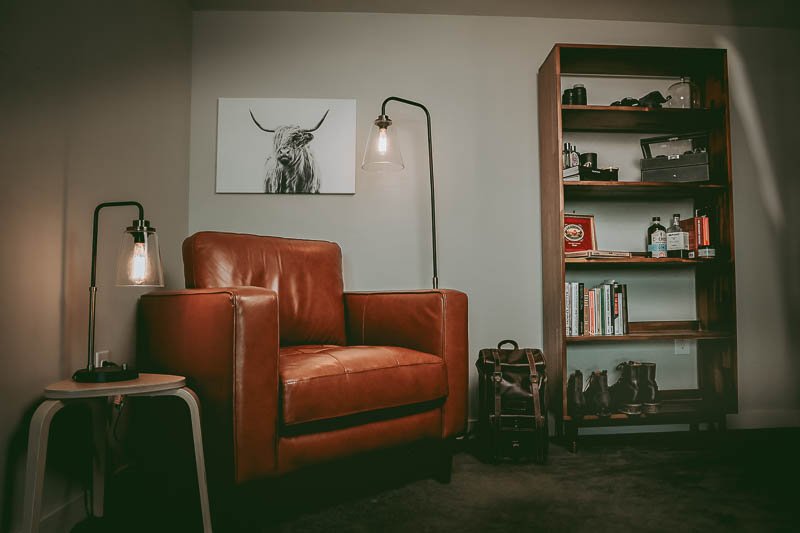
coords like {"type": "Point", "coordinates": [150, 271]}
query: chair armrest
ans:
{"type": "Point", "coordinates": [225, 341]}
{"type": "Point", "coordinates": [432, 321]}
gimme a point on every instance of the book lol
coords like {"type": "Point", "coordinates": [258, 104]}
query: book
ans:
{"type": "Point", "coordinates": [567, 302]}
{"type": "Point", "coordinates": [618, 329]}
{"type": "Point", "coordinates": [579, 304]}
{"type": "Point", "coordinates": [586, 330]}
{"type": "Point", "coordinates": [597, 254]}
{"type": "Point", "coordinates": [624, 291]}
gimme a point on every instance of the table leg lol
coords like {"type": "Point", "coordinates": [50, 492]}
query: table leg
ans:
{"type": "Point", "coordinates": [190, 398]}
{"type": "Point", "coordinates": [99, 434]}
{"type": "Point", "coordinates": [37, 460]}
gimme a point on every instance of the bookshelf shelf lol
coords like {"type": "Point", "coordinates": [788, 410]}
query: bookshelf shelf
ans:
{"type": "Point", "coordinates": [619, 119]}
{"type": "Point", "coordinates": [714, 280]}
{"type": "Point", "coordinates": [638, 189]}
{"type": "Point", "coordinates": [638, 261]}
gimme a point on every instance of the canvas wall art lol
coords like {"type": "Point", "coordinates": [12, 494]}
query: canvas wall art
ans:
{"type": "Point", "coordinates": [286, 146]}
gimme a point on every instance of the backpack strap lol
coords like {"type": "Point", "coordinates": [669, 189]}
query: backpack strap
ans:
{"type": "Point", "coordinates": [534, 379]}
{"type": "Point", "coordinates": [497, 377]}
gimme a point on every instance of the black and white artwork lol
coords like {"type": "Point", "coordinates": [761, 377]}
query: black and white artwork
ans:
{"type": "Point", "coordinates": [286, 146]}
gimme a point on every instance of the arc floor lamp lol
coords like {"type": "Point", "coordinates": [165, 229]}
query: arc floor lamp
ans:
{"type": "Point", "coordinates": [382, 153]}
{"type": "Point", "coordinates": [138, 265]}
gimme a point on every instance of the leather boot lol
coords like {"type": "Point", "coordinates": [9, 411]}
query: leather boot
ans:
{"type": "Point", "coordinates": [625, 392]}
{"type": "Point", "coordinates": [598, 399]}
{"type": "Point", "coordinates": [648, 388]}
{"type": "Point", "coordinates": [576, 405]}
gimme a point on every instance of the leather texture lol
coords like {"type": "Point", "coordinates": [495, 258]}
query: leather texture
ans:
{"type": "Point", "coordinates": [292, 371]}
{"type": "Point", "coordinates": [324, 382]}
{"type": "Point", "coordinates": [307, 275]}
{"type": "Point", "coordinates": [225, 341]}
{"type": "Point", "coordinates": [304, 450]}
{"type": "Point", "coordinates": [431, 321]}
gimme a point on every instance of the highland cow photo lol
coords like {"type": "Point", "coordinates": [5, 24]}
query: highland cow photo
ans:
{"type": "Point", "coordinates": [286, 146]}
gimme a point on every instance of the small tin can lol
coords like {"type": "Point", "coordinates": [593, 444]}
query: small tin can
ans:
{"type": "Point", "coordinates": [579, 94]}
{"type": "Point", "coordinates": [568, 98]}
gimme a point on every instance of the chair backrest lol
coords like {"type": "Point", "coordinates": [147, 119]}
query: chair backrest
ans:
{"type": "Point", "coordinates": [307, 275]}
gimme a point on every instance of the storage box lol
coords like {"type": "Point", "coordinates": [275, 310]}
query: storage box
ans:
{"type": "Point", "coordinates": [675, 158]}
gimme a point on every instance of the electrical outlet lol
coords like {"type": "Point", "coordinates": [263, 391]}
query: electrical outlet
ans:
{"type": "Point", "coordinates": [682, 347]}
{"type": "Point", "coordinates": [100, 356]}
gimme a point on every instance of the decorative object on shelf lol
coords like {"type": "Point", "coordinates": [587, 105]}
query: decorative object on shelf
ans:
{"type": "Point", "coordinates": [683, 95]}
{"type": "Point", "coordinates": [699, 233]}
{"type": "Point", "coordinates": [383, 153]}
{"type": "Point", "coordinates": [512, 393]}
{"type": "Point", "coordinates": [568, 98]}
{"type": "Point", "coordinates": [286, 146]}
{"type": "Point", "coordinates": [579, 94]}
{"type": "Point", "coordinates": [675, 158]}
{"type": "Point", "coordinates": [653, 100]}
{"type": "Point", "coordinates": [656, 239]}
{"type": "Point", "coordinates": [588, 160]}
{"type": "Point", "coordinates": [138, 265]}
{"type": "Point", "coordinates": [677, 239]}
{"type": "Point", "coordinates": [579, 233]}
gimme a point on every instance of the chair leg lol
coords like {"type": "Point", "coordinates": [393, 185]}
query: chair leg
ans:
{"type": "Point", "coordinates": [443, 467]}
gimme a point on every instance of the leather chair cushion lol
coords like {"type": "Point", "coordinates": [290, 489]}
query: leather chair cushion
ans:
{"type": "Point", "coordinates": [325, 382]}
{"type": "Point", "coordinates": [307, 275]}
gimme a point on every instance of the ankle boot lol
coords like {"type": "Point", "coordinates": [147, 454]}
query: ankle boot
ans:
{"type": "Point", "coordinates": [648, 389]}
{"type": "Point", "coordinates": [625, 392]}
{"type": "Point", "coordinates": [598, 399]}
{"type": "Point", "coordinates": [576, 405]}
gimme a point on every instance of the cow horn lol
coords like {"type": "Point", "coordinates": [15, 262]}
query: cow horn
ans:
{"type": "Point", "coordinates": [319, 123]}
{"type": "Point", "coordinates": [259, 125]}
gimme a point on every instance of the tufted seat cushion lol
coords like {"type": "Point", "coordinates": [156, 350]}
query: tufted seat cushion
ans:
{"type": "Point", "coordinates": [322, 382]}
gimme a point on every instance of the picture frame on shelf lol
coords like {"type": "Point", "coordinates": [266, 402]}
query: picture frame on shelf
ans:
{"type": "Point", "coordinates": [580, 233]}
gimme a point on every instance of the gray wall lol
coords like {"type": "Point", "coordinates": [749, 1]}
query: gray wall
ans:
{"type": "Point", "coordinates": [95, 106]}
{"type": "Point", "coordinates": [478, 77]}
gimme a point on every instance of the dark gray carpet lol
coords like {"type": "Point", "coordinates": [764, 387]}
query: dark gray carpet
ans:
{"type": "Point", "coordinates": [734, 481]}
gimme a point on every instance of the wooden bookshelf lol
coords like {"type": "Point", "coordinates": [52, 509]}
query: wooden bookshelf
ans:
{"type": "Point", "coordinates": [714, 328]}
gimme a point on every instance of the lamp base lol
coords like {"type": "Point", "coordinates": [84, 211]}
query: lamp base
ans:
{"type": "Point", "coordinates": [104, 374]}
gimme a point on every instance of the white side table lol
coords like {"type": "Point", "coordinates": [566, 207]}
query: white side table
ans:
{"type": "Point", "coordinates": [96, 394]}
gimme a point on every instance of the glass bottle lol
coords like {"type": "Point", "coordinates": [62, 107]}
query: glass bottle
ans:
{"type": "Point", "coordinates": [656, 239]}
{"type": "Point", "coordinates": [677, 239]}
{"type": "Point", "coordinates": [683, 95]}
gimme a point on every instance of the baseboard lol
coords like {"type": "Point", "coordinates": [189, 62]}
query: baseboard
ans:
{"type": "Point", "coordinates": [765, 418]}
{"type": "Point", "coordinates": [63, 518]}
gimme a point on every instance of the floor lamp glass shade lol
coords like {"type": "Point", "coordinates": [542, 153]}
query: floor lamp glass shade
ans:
{"type": "Point", "coordinates": [139, 260]}
{"type": "Point", "coordinates": [382, 151]}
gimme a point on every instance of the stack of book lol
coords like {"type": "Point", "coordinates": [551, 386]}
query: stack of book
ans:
{"type": "Point", "coordinates": [601, 310]}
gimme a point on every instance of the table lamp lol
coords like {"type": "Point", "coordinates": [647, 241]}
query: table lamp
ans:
{"type": "Point", "coordinates": [138, 265]}
{"type": "Point", "coordinates": [382, 153]}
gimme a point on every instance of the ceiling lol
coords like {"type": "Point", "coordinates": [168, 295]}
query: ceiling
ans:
{"type": "Point", "coordinates": [768, 13]}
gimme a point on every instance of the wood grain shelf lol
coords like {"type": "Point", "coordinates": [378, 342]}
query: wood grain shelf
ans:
{"type": "Point", "coordinates": [622, 119]}
{"type": "Point", "coordinates": [638, 189]}
{"type": "Point", "coordinates": [683, 411]}
{"type": "Point", "coordinates": [651, 336]}
{"type": "Point", "coordinates": [638, 261]}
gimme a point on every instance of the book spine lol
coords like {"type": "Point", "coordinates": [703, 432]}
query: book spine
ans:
{"type": "Point", "coordinates": [625, 328]}
{"type": "Point", "coordinates": [608, 317]}
{"type": "Point", "coordinates": [567, 301]}
{"type": "Point", "coordinates": [575, 315]}
{"type": "Point", "coordinates": [617, 309]}
{"type": "Point", "coordinates": [592, 326]}
{"type": "Point", "coordinates": [585, 308]}
{"type": "Point", "coordinates": [579, 302]}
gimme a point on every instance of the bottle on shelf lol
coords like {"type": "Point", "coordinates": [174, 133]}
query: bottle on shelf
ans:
{"type": "Point", "coordinates": [677, 239]}
{"type": "Point", "coordinates": [656, 239]}
{"type": "Point", "coordinates": [574, 157]}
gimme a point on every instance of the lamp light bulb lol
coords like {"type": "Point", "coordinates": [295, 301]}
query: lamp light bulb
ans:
{"type": "Point", "coordinates": [383, 141]}
{"type": "Point", "coordinates": [138, 265]}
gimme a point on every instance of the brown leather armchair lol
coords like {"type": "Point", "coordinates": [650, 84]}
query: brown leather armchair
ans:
{"type": "Point", "coordinates": [290, 369]}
